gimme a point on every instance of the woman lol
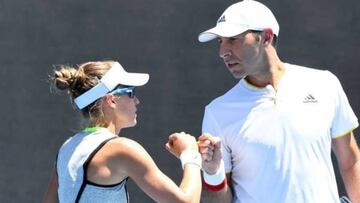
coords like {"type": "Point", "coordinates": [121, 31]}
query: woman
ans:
{"type": "Point", "coordinates": [94, 164]}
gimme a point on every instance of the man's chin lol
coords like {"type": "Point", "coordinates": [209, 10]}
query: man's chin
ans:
{"type": "Point", "coordinates": [238, 75]}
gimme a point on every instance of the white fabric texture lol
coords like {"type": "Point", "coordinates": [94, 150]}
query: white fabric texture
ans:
{"type": "Point", "coordinates": [277, 144]}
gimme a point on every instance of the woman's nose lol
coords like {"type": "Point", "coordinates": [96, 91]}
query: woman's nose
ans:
{"type": "Point", "coordinates": [136, 100]}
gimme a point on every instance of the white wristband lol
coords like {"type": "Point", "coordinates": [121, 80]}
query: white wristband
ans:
{"type": "Point", "coordinates": [217, 178]}
{"type": "Point", "coordinates": [190, 157]}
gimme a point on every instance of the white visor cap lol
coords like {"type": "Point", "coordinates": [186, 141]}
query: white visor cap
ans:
{"type": "Point", "coordinates": [116, 75]}
{"type": "Point", "coordinates": [240, 17]}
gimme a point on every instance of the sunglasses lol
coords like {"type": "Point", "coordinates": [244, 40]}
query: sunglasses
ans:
{"type": "Point", "coordinates": [127, 90]}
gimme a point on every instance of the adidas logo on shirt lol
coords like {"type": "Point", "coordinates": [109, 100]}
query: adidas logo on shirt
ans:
{"type": "Point", "coordinates": [310, 99]}
{"type": "Point", "coordinates": [221, 19]}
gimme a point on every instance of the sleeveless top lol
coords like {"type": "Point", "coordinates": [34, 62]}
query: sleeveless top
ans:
{"type": "Point", "coordinates": [72, 161]}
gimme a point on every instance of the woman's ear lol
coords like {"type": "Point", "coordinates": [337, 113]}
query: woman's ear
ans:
{"type": "Point", "coordinates": [109, 100]}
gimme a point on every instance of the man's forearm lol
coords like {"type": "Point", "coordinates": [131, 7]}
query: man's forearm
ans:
{"type": "Point", "coordinates": [351, 177]}
{"type": "Point", "coordinates": [223, 196]}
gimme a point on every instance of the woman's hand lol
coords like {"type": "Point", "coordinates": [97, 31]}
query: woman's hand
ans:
{"type": "Point", "coordinates": [179, 142]}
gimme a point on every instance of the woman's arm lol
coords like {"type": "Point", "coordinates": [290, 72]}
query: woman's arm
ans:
{"type": "Point", "coordinates": [134, 161]}
{"type": "Point", "coordinates": [51, 194]}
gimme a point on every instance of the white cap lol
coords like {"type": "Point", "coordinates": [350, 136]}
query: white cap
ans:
{"type": "Point", "coordinates": [240, 17]}
{"type": "Point", "coordinates": [117, 75]}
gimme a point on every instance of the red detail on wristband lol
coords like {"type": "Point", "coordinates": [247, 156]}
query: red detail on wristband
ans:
{"type": "Point", "coordinates": [215, 188]}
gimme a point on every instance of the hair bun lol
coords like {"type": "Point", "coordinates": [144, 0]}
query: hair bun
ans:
{"type": "Point", "coordinates": [65, 77]}
{"type": "Point", "coordinates": [80, 78]}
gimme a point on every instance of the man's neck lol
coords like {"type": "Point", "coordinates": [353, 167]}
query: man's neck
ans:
{"type": "Point", "coordinates": [271, 76]}
{"type": "Point", "coordinates": [271, 72]}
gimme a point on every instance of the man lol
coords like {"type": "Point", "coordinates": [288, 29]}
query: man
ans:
{"type": "Point", "coordinates": [277, 125]}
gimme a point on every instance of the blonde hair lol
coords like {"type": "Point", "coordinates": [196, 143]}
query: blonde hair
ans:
{"type": "Point", "coordinates": [77, 80]}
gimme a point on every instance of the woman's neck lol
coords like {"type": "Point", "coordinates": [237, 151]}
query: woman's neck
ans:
{"type": "Point", "coordinates": [113, 128]}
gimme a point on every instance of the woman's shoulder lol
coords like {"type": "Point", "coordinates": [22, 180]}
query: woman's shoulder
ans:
{"type": "Point", "coordinates": [124, 142]}
{"type": "Point", "coordinates": [125, 146]}
{"type": "Point", "coordinates": [128, 154]}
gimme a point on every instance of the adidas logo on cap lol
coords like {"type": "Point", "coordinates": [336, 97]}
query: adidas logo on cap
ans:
{"type": "Point", "coordinates": [221, 19]}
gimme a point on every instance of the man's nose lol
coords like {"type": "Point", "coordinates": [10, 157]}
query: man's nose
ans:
{"type": "Point", "coordinates": [224, 50]}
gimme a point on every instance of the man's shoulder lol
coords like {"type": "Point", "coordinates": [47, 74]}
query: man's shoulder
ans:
{"type": "Point", "coordinates": [304, 78]}
{"type": "Point", "coordinates": [228, 96]}
{"type": "Point", "coordinates": [304, 69]}
{"type": "Point", "coordinates": [309, 73]}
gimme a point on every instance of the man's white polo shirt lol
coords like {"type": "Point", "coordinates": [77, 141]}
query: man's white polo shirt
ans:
{"type": "Point", "coordinates": [277, 144]}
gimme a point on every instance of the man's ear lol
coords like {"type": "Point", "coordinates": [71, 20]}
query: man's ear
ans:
{"type": "Point", "coordinates": [268, 35]}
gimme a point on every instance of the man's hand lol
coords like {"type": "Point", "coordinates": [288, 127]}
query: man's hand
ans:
{"type": "Point", "coordinates": [210, 150]}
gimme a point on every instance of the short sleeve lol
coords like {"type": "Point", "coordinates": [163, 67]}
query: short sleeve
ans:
{"type": "Point", "coordinates": [211, 126]}
{"type": "Point", "coordinates": [344, 119]}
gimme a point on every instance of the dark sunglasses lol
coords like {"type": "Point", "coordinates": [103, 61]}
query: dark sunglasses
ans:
{"type": "Point", "coordinates": [127, 90]}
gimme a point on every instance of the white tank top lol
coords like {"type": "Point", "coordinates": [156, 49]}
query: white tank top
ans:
{"type": "Point", "coordinates": [72, 161]}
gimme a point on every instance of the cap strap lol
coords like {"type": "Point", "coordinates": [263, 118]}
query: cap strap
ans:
{"type": "Point", "coordinates": [91, 95]}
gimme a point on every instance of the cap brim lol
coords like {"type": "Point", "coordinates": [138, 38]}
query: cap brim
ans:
{"type": "Point", "coordinates": [221, 30]}
{"type": "Point", "coordinates": [134, 79]}
{"type": "Point", "coordinates": [117, 75]}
